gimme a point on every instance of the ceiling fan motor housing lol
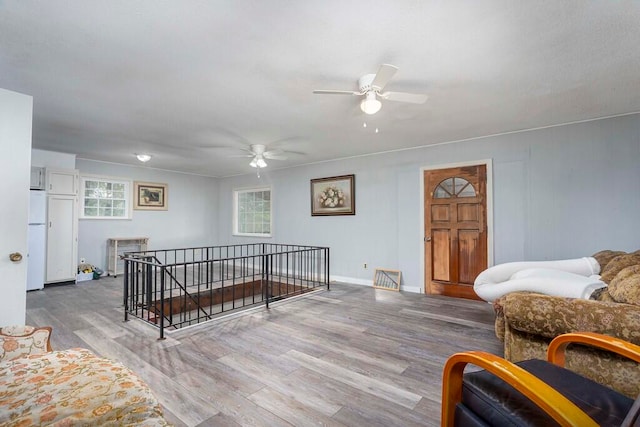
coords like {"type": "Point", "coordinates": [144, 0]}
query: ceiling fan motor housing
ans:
{"type": "Point", "coordinates": [257, 148]}
{"type": "Point", "coordinates": [364, 83]}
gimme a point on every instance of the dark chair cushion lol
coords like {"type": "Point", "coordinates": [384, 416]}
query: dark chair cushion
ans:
{"type": "Point", "coordinates": [499, 404]}
{"type": "Point", "coordinates": [464, 417]}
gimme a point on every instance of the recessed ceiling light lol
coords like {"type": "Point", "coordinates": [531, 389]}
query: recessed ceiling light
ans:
{"type": "Point", "coordinates": [143, 157]}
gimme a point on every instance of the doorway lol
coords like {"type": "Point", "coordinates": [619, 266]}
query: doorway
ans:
{"type": "Point", "coordinates": [455, 227]}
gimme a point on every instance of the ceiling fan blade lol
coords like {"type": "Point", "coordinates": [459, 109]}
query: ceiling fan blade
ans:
{"type": "Point", "coordinates": [274, 157]}
{"type": "Point", "coordinates": [413, 98]}
{"type": "Point", "coordinates": [241, 155]}
{"type": "Point", "coordinates": [384, 74]}
{"type": "Point", "coordinates": [292, 140]}
{"type": "Point", "coordinates": [336, 92]}
{"type": "Point", "coordinates": [276, 152]}
{"type": "Point", "coordinates": [279, 152]}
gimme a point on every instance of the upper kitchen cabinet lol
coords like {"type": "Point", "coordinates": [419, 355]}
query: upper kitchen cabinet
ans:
{"type": "Point", "coordinates": [37, 178]}
{"type": "Point", "coordinates": [62, 181]}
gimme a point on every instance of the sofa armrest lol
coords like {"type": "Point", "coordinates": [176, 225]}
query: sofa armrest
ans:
{"type": "Point", "coordinates": [558, 346]}
{"type": "Point", "coordinates": [20, 341]}
{"type": "Point", "coordinates": [550, 316]}
{"type": "Point", "coordinates": [499, 325]}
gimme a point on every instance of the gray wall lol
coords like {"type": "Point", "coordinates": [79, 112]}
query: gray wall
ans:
{"type": "Point", "coordinates": [191, 219]}
{"type": "Point", "coordinates": [560, 192]}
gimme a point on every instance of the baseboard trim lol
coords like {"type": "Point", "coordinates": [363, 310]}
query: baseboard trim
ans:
{"type": "Point", "coordinates": [352, 280]}
{"type": "Point", "coordinates": [366, 282]}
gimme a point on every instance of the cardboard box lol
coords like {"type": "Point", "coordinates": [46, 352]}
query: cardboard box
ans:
{"type": "Point", "coordinates": [81, 277]}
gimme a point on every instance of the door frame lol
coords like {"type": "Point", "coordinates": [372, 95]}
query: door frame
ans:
{"type": "Point", "coordinates": [489, 200]}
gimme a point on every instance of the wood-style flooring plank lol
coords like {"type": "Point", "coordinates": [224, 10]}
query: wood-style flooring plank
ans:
{"type": "Point", "coordinates": [361, 382]}
{"type": "Point", "coordinates": [291, 410]}
{"type": "Point", "coordinates": [301, 392]}
{"type": "Point", "coordinates": [234, 406]}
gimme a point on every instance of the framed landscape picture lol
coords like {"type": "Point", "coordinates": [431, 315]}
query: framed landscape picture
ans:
{"type": "Point", "coordinates": [150, 196]}
{"type": "Point", "coordinates": [335, 195]}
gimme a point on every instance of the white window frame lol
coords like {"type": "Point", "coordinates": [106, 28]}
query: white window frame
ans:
{"type": "Point", "coordinates": [236, 193]}
{"type": "Point", "coordinates": [128, 188]}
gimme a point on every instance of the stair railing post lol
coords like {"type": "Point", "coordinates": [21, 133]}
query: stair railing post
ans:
{"type": "Point", "coordinates": [162, 302]}
{"type": "Point", "coordinates": [266, 259]}
{"type": "Point", "coordinates": [326, 263]}
{"type": "Point", "coordinates": [148, 281]}
{"type": "Point", "coordinates": [126, 290]}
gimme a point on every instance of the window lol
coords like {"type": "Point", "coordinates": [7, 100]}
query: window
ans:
{"type": "Point", "coordinates": [252, 212]}
{"type": "Point", "coordinates": [105, 198]}
{"type": "Point", "coordinates": [454, 187]}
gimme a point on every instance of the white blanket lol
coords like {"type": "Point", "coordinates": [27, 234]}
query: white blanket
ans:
{"type": "Point", "coordinates": [573, 278]}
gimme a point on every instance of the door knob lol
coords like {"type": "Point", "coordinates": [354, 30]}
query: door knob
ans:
{"type": "Point", "coordinates": [427, 239]}
{"type": "Point", "coordinates": [15, 257]}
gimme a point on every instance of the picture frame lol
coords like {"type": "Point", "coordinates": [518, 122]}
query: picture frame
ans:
{"type": "Point", "coordinates": [335, 195]}
{"type": "Point", "coordinates": [387, 279]}
{"type": "Point", "coordinates": [150, 196]}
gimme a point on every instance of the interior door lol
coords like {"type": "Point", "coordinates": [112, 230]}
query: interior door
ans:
{"type": "Point", "coordinates": [15, 161]}
{"type": "Point", "coordinates": [455, 227]}
{"type": "Point", "coordinates": [62, 238]}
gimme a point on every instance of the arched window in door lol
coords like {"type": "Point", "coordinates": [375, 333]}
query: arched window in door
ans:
{"type": "Point", "coordinates": [454, 187]}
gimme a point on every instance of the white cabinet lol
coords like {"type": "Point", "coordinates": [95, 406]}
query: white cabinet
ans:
{"type": "Point", "coordinates": [37, 178]}
{"type": "Point", "coordinates": [62, 238]}
{"type": "Point", "coordinates": [62, 181]}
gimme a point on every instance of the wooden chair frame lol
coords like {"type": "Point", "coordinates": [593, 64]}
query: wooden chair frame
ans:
{"type": "Point", "coordinates": [547, 398]}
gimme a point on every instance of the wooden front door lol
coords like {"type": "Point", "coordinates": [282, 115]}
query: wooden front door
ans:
{"type": "Point", "coordinates": [455, 225]}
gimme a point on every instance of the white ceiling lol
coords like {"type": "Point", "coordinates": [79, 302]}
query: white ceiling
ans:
{"type": "Point", "coordinates": [169, 78]}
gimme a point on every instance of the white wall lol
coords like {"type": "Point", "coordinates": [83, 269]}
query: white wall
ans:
{"type": "Point", "coordinates": [191, 219]}
{"type": "Point", "coordinates": [559, 192]}
{"type": "Point", "coordinates": [52, 159]}
{"type": "Point", "coordinates": [16, 112]}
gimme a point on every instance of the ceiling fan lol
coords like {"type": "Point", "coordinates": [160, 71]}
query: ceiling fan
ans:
{"type": "Point", "coordinates": [371, 85]}
{"type": "Point", "coordinates": [259, 153]}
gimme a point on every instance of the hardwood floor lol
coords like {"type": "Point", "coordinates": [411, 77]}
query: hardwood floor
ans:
{"type": "Point", "coordinates": [352, 356]}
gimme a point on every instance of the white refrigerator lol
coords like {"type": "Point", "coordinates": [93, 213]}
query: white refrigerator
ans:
{"type": "Point", "coordinates": [37, 240]}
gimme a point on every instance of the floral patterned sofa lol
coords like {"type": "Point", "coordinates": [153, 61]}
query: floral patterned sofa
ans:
{"type": "Point", "coordinates": [527, 322]}
{"type": "Point", "coordinates": [69, 387]}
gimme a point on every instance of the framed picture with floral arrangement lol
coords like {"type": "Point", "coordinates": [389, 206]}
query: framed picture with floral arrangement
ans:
{"type": "Point", "coordinates": [335, 195]}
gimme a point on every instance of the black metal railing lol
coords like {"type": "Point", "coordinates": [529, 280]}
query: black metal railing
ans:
{"type": "Point", "coordinates": [173, 288]}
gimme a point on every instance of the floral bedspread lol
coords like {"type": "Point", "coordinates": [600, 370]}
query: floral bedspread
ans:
{"type": "Point", "coordinates": [73, 388]}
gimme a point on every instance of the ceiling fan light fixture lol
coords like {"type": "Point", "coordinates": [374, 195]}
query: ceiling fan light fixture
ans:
{"type": "Point", "coordinates": [370, 105]}
{"type": "Point", "coordinates": [258, 162]}
{"type": "Point", "coordinates": [144, 158]}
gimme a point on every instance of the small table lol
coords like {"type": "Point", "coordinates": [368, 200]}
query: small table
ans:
{"type": "Point", "coordinates": [114, 249]}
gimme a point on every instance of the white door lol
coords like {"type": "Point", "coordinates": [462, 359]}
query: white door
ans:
{"type": "Point", "coordinates": [62, 238]}
{"type": "Point", "coordinates": [15, 169]}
